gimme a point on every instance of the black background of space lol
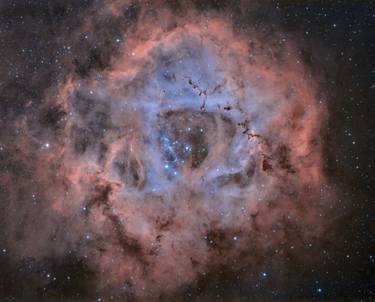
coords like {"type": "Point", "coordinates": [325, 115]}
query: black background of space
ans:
{"type": "Point", "coordinates": [337, 41]}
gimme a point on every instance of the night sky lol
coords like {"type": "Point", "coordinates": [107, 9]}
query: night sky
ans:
{"type": "Point", "coordinates": [187, 150]}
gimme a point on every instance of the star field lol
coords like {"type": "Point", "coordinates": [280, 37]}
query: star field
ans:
{"type": "Point", "coordinates": [187, 150]}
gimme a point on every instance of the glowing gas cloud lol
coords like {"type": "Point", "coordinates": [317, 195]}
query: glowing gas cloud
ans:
{"type": "Point", "coordinates": [198, 148]}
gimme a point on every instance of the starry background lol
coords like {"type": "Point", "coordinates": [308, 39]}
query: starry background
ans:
{"type": "Point", "coordinates": [336, 40]}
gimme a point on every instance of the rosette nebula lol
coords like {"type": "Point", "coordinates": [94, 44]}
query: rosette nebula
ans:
{"type": "Point", "coordinates": [170, 151]}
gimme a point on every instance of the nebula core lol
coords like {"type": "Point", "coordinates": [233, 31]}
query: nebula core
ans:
{"type": "Point", "coordinates": [189, 147]}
